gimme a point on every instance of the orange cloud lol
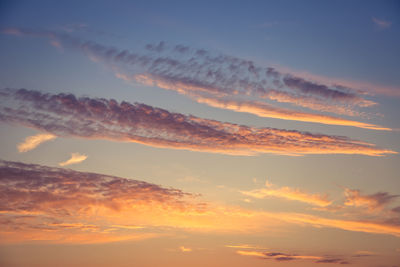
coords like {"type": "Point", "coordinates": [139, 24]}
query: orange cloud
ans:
{"type": "Point", "coordinates": [225, 73]}
{"type": "Point", "coordinates": [278, 256]}
{"type": "Point", "coordinates": [382, 24]}
{"type": "Point", "coordinates": [75, 158]}
{"type": "Point", "coordinates": [244, 246]}
{"type": "Point", "coordinates": [357, 226]}
{"type": "Point", "coordinates": [361, 86]}
{"type": "Point", "coordinates": [32, 142]}
{"type": "Point", "coordinates": [310, 103]}
{"type": "Point", "coordinates": [255, 107]}
{"type": "Point", "coordinates": [372, 202]}
{"type": "Point", "coordinates": [65, 206]}
{"type": "Point", "coordinates": [290, 194]}
{"type": "Point", "coordinates": [250, 253]}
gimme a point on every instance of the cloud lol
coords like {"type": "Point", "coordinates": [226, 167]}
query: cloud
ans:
{"type": "Point", "coordinates": [372, 202]}
{"type": "Point", "coordinates": [185, 249]}
{"type": "Point", "coordinates": [279, 256]}
{"type": "Point", "coordinates": [202, 74]}
{"type": "Point", "coordinates": [200, 90]}
{"type": "Point", "coordinates": [32, 142]}
{"type": "Point", "coordinates": [97, 118]}
{"type": "Point", "coordinates": [334, 260]}
{"type": "Point", "coordinates": [128, 226]}
{"type": "Point", "coordinates": [311, 103]}
{"type": "Point", "coordinates": [75, 158]}
{"type": "Point", "coordinates": [219, 74]}
{"type": "Point", "coordinates": [382, 24]}
{"type": "Point", "coordinates": [290, 194]}
{"type": "Point", "coordinates": [244, 246]}
{"type": "Point", "coordinates": [45, 204]}
{"type": "Point", "coordinates": [258, 108]}
{"type": "Point", "coordinates": [57, 205]}
{"type": "Point", "coordinates": [311, 88]}
{"type": "Point", "coordinates": [349, 225]}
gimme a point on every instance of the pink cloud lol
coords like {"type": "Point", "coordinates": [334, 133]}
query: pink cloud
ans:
{"type": "Point", "coordinates": [66, 115]}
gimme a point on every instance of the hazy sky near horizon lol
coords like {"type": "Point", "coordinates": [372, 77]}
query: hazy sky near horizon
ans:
{"type": "Point", "coordinates": [220, 133]}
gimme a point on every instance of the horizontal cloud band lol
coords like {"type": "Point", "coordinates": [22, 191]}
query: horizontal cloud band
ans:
{"type": "Point", "coordinates": [60, 205]}
{"type": "Point", "coordinates": [95, 118]}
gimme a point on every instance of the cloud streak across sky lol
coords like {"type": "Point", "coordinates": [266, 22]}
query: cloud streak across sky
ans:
{"type": "Point", "coordinates": [259, 108]}
{"type": "Point", "coordinates": [221, 81]}
{"type": "Point", "coordinates": [74, 159]}
{"type": "Point", "coordinates": [42, 203]}
{"type": "Point", "coordinates": [290, 194]}
{"type": "Point", "coordinates": [47, 204]}
{"type": "Point", "coordinates": [284, 257]}
{"type": "Point", "coordinates": [373, 202]}
{"type": "Point", "coordinates": [31, 142]}
{"type": "Point", "coordinates": [382, 24]}
{"type": "Point", "coordinates": [95, 118]}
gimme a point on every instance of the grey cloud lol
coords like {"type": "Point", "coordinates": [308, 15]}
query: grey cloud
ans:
{"type": "Point", "coordinates": [97, 118]}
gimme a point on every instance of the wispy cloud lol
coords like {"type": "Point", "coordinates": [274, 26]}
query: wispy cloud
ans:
{"type": "Point", "coordinates": [279, 256]}
{"type": "Point", "coordinates": [362, 87]}
{"type": "Point", "coordinates": [258, 108]}
{"type": "Point", "coordinates": [349, 225]}
{"type": "Point", "coordinates": [75, 158]}
{"type": "Point", "coordinates": [66, 115]}
{"type": "Point", "coordinates": [382, 24]}
{"type": "Point", "coordinates": [217, 78]}
{"type": "Point", "coordinates": [244, 246]}
{"type": "Point", "coordinates": [31, 142]}
{"type": "Point", "coordinates": [372, 202]}
{"type": "Point", "coordinates": [64, 206]}
{"type": "Point", "coordinates": [290, 194]}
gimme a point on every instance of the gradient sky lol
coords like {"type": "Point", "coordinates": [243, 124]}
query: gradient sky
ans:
{"type": "Point", "coordinates": [193, 133]}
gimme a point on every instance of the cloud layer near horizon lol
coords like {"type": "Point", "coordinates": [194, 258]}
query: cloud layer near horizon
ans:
{"type": "Point", "coordinates": [46, 204]}
{"type": "Point", "coordinates": [40, 203]}
{"type": "Point", "coordinates": [95, 118]}
{"type": "Point", "coordinates": [221, 81]}
{"type": "Point", "coordinates": [284, 257]}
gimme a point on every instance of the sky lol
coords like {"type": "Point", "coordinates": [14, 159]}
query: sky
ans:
{"type": "Point", "coordinates": [192, 133]}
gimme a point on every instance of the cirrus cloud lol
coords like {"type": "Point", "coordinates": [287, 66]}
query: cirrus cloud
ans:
{"type": "Point", "coordinates": [290, 194]}
{"type": "Point", "coordinates": [74, 159]}
{"type": "Point", "coordinates": [97, 118]}
{"type": "Point", "coordinates": [31, 142]}
{"type": "Point", "coordinates": [59, 205]}
{"type": "Point", "coordinates": [202, 74]}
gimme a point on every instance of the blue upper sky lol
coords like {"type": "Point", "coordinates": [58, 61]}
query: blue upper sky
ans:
{"type": "Point", "coordinates": [337, 38]}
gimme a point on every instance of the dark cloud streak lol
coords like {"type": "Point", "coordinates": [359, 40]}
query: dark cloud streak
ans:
{"type": "Point", "coordinates": [97, 118]}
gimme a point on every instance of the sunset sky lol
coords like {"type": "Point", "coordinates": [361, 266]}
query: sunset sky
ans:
{"type": "Point", "coordinates": [200, 133]}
